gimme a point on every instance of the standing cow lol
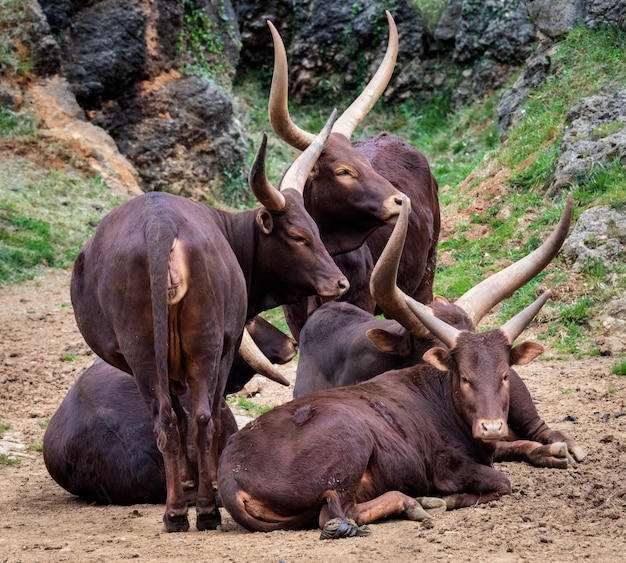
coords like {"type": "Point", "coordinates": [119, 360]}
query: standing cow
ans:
{"type": "Point", "coordinates": [99, 444]}
{"type": "Point", "coordinates": [344, 191]}
{"type": "Point", "coordinates": [163, 290]}
{"type": "Point", "coordinates": [342, 344]}
{"type": "Point", "coordinates": [344, 457]}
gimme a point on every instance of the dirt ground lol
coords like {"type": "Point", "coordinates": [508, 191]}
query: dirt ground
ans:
{"type": "Point", "coordinates": [553, 515]}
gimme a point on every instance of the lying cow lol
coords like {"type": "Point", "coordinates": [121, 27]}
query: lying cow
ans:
{"type": "Point", "coordinates": [342, 345]}
{"type": "Point", "coordinates": [164, 288]}
{"type": "Point", "coordinates": [99, 444]}
{"type": "Point", "coordinates": [348, 456]}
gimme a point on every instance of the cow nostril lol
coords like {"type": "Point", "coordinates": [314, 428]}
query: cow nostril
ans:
{"type": "Point", "coordinates": [344, 284]}
{"type": "Point", "coordinates": [399, 200]}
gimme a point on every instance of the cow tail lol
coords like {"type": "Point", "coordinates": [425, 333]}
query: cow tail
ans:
{"type": "Point", "coordinates": [160, 235]}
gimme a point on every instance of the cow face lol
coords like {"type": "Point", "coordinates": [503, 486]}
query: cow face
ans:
{"type": "Point", "coordinates": [347, 198]}
{"type": "Point", "coordinates": [479, 366]}
{"type": "Point", "coordinates": [292, 254]}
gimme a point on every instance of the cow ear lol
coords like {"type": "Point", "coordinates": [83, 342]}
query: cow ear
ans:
{"type": "Point", "coordinates": [264, 221]}
{"type": "Point", "coordinates": [315, 172]}
{"type": "Point", "coordinates": [388, 342]}
{"type": "Point", "coordinates": [438, 358]}
{"type": "Point", "coordinates": [524, 353]}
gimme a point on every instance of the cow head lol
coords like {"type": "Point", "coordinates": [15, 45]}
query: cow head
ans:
{"type": "Point", "coordinates": [292, 261]}
{"type": "Point", "coordinates": [478, 363]}
{"type": "Point", "coordinates": [344, 195]}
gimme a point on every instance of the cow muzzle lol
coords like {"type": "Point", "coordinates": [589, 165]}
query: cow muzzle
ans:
{"type": "Point", "coordinates": [392, 206]}
{"type": "Point", "coordinates": [491, 430]}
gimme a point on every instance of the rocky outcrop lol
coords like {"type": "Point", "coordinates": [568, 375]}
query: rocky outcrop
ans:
{"type": "Point", "coordinates": [130, 66]}
{"type": "Point", "coordinates": [597, 240]}
{"type": "Point", "coordinates": [120, 60]}
{"type": "Point", "coordinates": [62, 118]}
{"type": "Point", "coordinates": [181, 135]}
{"type": "Point", "coordinates": [595, 138]}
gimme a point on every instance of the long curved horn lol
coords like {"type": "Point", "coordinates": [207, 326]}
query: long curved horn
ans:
{"type": "Point", "coordinates": [481, 298]}
{"type": "Point", "coordinates": [278, 110]}
{"type": "Point", "coordinates": [350, 119]}
{"type": "Point", "coordinates": [514, 327]}
{"type": "Point", "coordinates": [448, 334]}
{"type": "Point", "coordinates": [383, 285]}
{"type": "Point", "coordinates": [258, 361]}
{"type": "Point", "coordinates": [297, 174]}
{"type": "Point", "coordinates": [267, 194]}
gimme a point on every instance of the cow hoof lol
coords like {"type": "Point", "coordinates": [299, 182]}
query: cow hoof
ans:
{"type": "Point", "coordinates": [176, 523]}
{"type": "Point", "coordinates": [208, 521]}
{"type": "Point", "coordinates": [434, 505]}
{"type": "Point", "coordinates": [339, 528]}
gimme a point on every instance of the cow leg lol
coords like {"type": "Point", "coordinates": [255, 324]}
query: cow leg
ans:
{"type": "Point", "coordinates": [333, 521]}
{"type": "Point", "coordinates": [481, 484]}
{"type": "Point", "coordinates": [395, 503]}
{"type": "Point", "coordinates": [205, 432]}
{"type": "Point", "coordinates": [166, 430]}
{"type": "Point", "coordinates": [555, 455]}
{"type": "Point", "coordinates": [337, 522]}
{"type": "Point", "coordinates": [528, 425]}
{"type": "Point", "coordinates": [187, 472]}
{"type": "Point", "coordinates": [167, 436]}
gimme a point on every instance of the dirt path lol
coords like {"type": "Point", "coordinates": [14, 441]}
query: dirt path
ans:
{"type": "Point", "coordinates": [553, 515]}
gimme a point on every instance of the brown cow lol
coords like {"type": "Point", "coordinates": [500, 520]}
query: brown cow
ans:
{"type": "Point", "coordinates": [163, 290]}
{"type": "Point", "coordinates": [348, 456]}
{"type": "Point", "coordinates": [100, 445]}
{"type": "Point", "coordinates": [343, 345]}
{"type": "Point", "coordinates": [345, 189]}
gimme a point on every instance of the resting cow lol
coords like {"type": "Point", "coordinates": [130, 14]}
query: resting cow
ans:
{"type": "Point", "coordinates": [348, 456]}
{"type": "Point", "coordinates": [342, 345]}
{"type": "Point", "coordinates": [163, 290]}
{"type": "Point", "coordinates": [350, 181]}
{"type": "Point", "coordinates": [99, 444]}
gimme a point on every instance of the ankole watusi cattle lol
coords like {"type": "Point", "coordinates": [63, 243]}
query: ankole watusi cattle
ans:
{"type": "Point", "coordinates": [163, 290]}
{"type": "Point", "coordinates": [348, 456]}
{"type": "Point", "coordinates": [342, 345]}
{"type": "Point", "coordinates": [352, 192]}
{"type": "Point", "coordinates": [99, 444]}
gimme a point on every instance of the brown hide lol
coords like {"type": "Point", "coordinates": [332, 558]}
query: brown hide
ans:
{"type": "Point", "coordinates": [363, 451]}
{"type": "Point", "coordinates": [163, 290]}
{"type": "Point", "coordinates": [353, 193]}
{"type": "Point", "coordinates": [99, 443]}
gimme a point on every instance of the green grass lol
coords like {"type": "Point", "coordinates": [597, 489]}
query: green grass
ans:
{"type": "Point", "coordinates": [46, 215]}
{"type": "Point", "coordinates": [248, 406]}
{"type": "Point", "coordinates": [6, 460]}
{"type": "Point", "coordinates": [619, 369]}
{"type": "Point", "coordinates": [586, 62]}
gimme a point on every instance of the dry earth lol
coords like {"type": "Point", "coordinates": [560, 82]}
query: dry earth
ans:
{"type": "Point", "coordinates": [552, 515]}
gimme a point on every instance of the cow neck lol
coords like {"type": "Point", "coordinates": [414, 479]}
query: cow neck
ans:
{"type": "Point", "coordinates": [241, 232]}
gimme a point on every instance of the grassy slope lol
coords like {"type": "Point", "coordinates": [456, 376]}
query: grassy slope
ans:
{"type": "Point", "coordinates": [491, 189]}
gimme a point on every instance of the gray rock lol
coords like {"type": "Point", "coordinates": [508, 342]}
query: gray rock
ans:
{"type": "Point", "coordinates": [596, 136]}
{"type": "Point", "coordinates": [499, 29]}
{"type": "Point", "coordinates": [599, 236]}
{"type": "Point", "coordinates": [610, 326]}
{"type": "Point", "coordinates": [555, 18]}
{"type": "Point", "coordinates": [601, 12]}
{"type": "Point", "coordinates": [181, 137]}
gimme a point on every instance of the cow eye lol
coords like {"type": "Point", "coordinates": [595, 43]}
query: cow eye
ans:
{"type": "Point", "coordinates": [464, 379]}
{"type": "Point", "coordinates": [343, 172]}
{"type": "Point", "coordinates": [299, 239]}
{"type": "Point", "coordinates": [505, 377]}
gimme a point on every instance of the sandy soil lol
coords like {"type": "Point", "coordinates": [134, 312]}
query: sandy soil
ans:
{"type": "Point", "coordinates": [552, 515]}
